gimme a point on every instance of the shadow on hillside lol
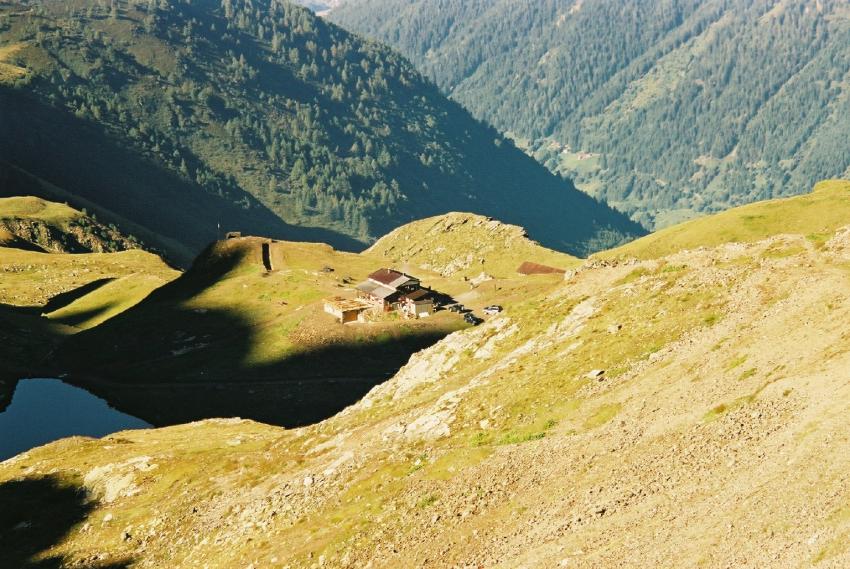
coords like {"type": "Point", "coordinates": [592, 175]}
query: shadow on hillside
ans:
{"type": "Point", "coordinates": [7, 390]}
{"type": "Point", "coordinates": [84, 316]}
{"type": "Point", "coordinates": [64, 299]}
{"type": "Point", "coordinates": [81, 157]}
{"type": "Point", "coordinates": [26, 340]}
{"type": "Point", "coordinates": [36, 515]}
{"type": "Point", "coordinates": [166, 363]}
{"type": "Point", "coordinates": [198, 370]}
{"type": "Point", "coordinates": [15, 242]}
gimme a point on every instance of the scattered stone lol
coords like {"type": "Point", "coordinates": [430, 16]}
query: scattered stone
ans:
{"type": "Point", "coordinates": [480, 279]}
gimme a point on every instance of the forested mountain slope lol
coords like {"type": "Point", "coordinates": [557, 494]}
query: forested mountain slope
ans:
{"type": "Point", "coordinates": [321, 7]}
{"type": "Point", "coordinates": [665, 109]}
{"type": "Point", "coordinates": [257, 114]}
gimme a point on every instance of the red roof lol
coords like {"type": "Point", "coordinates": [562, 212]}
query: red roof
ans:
{"type": "Point", "coordinates": [385, 276]}
{"type": "Point", "coordinates": [391, 278]}
{"type": "Point", "coordinates": [420, 294]}
{"type": "Point", "coordinates": [529, 268]}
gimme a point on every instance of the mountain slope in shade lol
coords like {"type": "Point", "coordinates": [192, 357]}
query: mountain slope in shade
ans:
{"type": "Point", "coordinates": [665, 109]}
{"type": "Point", "coordinates": [261, 117]}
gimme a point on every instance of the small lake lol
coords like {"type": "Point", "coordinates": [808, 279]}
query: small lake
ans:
{"type": "Point", "coordinates": [44, 410]}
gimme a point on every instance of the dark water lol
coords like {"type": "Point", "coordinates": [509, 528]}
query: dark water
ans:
{"type": "Point", "coordinates": [44, 410]}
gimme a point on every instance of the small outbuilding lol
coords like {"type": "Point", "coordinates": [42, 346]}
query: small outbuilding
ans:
{"type": "Point", "coordinates": [346, 310]}
{"type": "Point", "coordinates": [417, 304]}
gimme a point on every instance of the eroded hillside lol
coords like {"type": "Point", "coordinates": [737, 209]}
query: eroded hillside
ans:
{"type": "Point", "coordinates": [35, 224]}
{"type": "Point", "coordinates": [685, 410]}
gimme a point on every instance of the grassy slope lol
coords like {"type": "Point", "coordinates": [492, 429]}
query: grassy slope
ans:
{"type": "Point", "coordinates": [77, 290]}
{"type": "Point", "coordinates": [723, 405]}
{"type": "Point", "coordinates": [36, 224]}
{"type": "Point", "coordinates": [463, 244]}
{"type": "Point", "coordinates": [816, 215]}
{"type": "Point", "coordinates": [32, 278]}
{"type": "Point", "coordinates": [30, 207]}
{"type": "Point", "coordinates": [227, 319]}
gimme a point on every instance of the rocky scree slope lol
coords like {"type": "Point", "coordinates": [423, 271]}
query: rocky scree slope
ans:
{"type": "Point", "coordinates": [687, 410]}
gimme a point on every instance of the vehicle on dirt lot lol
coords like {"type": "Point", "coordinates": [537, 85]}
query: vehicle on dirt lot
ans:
{"type": "Point", "coordinates": [472, 319]}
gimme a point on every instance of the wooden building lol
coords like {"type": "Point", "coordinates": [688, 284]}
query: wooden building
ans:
{"type": "Point", "coordinates": [390, 290]}
{"type": "Point", "coordinates": [346, 310]}
{"type": "Point", "coordinates": [417, 304]}
{"type": "Point", "coordinates": [385, 287]}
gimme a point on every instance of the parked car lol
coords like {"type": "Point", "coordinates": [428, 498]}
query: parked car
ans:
{"type": "Point", "coordinates": [472, 319]}
{"type": "Point", "coordinates": [492, 309]}
{"type": "Point", "coordinates": [456, 308]}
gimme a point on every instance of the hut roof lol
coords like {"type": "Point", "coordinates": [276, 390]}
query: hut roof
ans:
{"type": "Point", "coordinates": [376, 289]}
{"type": "Point", "coordinates": [420, 294]}
{"type": "Point", "coordinates": [392, 278]}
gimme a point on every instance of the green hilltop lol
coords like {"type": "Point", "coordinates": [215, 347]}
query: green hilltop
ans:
{"type": "Point", "coordinates": [192, 118]}
{"type": "Point", "coordinates": [465, 245]}
{"type": "Point", "coordinates": [816, 215]}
